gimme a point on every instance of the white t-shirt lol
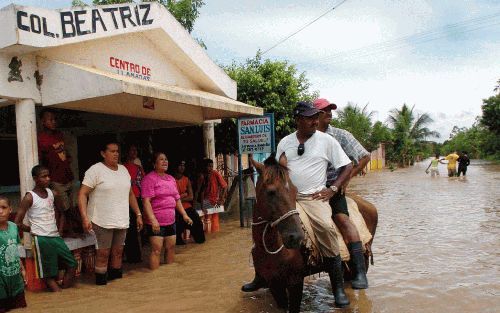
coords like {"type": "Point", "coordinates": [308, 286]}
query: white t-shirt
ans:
{"type": "Point", "coordinates": [109, 200]}
{"type": "Point", "coordinates": [308, 171]}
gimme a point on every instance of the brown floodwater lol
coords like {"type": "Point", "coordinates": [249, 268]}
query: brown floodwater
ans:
{"type": "Point", "coordinates": [436, 250]}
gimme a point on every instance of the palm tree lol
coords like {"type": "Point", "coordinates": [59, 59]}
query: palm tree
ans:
{"type": "Point", "coordinates": [409, 132]}
{"type": "Point", "coordinates": [356, 120]}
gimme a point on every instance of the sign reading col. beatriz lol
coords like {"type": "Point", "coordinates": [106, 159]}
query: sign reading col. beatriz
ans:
{"type": "Point", "coordinates": [83, 21]}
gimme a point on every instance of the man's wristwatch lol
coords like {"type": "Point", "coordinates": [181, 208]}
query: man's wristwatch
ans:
{"type": "Point", "coordinates": [334, 189]}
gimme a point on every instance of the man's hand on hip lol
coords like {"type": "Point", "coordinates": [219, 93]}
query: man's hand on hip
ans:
{"type": "Point", "coordinates": [325, 194]}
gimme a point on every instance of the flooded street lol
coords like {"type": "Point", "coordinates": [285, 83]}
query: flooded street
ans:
{"type": "Point", "coordinates": [436, 250]}
{"type": "Point", "coordinates": [437, 243]}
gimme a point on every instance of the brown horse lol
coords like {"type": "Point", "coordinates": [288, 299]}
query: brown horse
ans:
{"type": "Point", "coordinates": [277, 233]}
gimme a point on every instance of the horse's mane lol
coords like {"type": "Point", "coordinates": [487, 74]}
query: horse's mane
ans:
{"type": "Point", "coordinates": [274, 170]}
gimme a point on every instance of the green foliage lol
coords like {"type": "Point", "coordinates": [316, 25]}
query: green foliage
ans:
{"type": "Point", "coordinates": [380, 133]}
{"type": "Point", "coordinates": [356, 120]}
{"type": "Point", "coordinates": [184, 11]}
{"type": "Point", "coordinates": [477, 140]}
{"type": "Point", "coordinates": [491, 114]}
{"type": "Point", "coordinates": [78, 3]}
{"type": "Point", "coordinates": [409, 132]}
{"type": "Point", "coordinates": [275, 86]}
{"type": "Point", "coordinates": [482, 140]}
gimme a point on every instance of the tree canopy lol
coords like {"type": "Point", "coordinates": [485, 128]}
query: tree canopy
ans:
{"type": "Point", "coordinates": [184, 11]}
{"type": "Point", "coordinates": [409, 133]}
{"type": "Point", "coordinates": [491, 114]}
{"type": "Point", "coordinates": [482, 140]}
{"type": "Point", "coordinates": [358, 121]}
{"type": "Point", "coordinates": [275, 86]}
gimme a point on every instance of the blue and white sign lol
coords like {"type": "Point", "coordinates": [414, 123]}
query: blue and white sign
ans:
{"type": "Point", "coordinates": [256, 134]}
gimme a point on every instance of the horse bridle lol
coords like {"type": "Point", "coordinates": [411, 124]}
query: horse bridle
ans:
{"type": "Point", "coordinates": [273, 224]}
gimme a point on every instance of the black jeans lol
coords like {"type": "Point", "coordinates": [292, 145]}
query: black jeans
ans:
{"type": "Point", "coordinates": [196, 229]}
{"type": "Point", "coordinates": [132, 247]}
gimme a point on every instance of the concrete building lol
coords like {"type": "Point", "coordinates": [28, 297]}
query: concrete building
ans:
{"type": "Point", "coordinates": [126, 67]}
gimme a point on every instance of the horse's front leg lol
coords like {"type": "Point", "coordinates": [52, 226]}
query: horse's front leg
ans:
{"type": "Point", "coordinates": [295, 296]}
{"type": "Point", "coordinates": [278, 290]}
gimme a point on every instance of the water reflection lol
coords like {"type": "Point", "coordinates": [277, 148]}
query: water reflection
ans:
{"type": "Point", "coordinates": [436, 247]}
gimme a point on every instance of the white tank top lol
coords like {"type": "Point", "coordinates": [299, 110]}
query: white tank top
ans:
{"type": "Point", "coordinates": [42, 215]}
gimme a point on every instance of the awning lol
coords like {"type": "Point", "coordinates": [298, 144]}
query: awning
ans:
{"type": "Point", "coordinates": [76, 87]}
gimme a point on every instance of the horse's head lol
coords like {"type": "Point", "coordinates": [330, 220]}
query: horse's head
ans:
{"type": "Point", "coordinates": [275, 199]}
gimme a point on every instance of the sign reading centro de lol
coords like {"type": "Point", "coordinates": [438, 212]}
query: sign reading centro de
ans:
{"type": "Point", "coordinates": [83, 22]}
{"type": "Point", "coordinates": [256, 134]}
{"type": "Point", "coordinates": [131, 69]}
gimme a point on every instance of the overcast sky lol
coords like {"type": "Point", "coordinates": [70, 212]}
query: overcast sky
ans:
{"type": "Point", "coordinates": [442, 56]}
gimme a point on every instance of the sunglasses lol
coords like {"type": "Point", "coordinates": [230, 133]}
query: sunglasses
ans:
{"type": "Point", "coordinates": [301, 149]}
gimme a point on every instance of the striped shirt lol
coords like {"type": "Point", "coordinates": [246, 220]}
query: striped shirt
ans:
{"type": "Point", "coordinates": [354, 150]}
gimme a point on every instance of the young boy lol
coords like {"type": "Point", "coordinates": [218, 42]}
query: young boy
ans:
{"type": "Point", "coordinates": [12, 274]}
{"type": "Point", "coordinates": [434, 166]}
{"type": "Point", "coordinates": [47, 245]}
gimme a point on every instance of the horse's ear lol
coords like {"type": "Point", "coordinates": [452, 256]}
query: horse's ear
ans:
{"type": "Point", "coordinates": [259, 167]}
{"type": "Point", "coordinates": [271, 160]}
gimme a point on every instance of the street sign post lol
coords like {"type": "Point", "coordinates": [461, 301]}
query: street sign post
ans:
{"type": "Point", "coordinates": [255, 135]}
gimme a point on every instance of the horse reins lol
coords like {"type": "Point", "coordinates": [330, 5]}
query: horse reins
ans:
{"type": "Point", "coordinates": [273, 224]}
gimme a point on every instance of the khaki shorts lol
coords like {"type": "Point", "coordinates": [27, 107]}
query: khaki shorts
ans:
{"type": "Point", "coordinates": [109, 237]}
{"type": "Point", "coordinates": [320, 217]}
{"type": "Point", "coordinates": [65, 192]}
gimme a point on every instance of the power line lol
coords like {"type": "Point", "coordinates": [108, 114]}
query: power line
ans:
{"type": "Point", "coordinates": [417, 38]}
{"type": "Point", "coordinates": [388, 49]}
{"type": "Point", "coordinates": [303, 27]}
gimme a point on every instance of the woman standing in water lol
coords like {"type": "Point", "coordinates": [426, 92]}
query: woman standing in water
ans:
{"type": "Point", "coordinates": [160, 199]}
{"type": "Point", "coordinates": [106, 187]}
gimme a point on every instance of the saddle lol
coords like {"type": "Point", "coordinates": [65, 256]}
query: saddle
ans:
{"type": "Point", "coordinates": [311, 244]}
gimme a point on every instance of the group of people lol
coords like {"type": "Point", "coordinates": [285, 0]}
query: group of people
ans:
{"type": "Point", "coordinates": [115, 203]}
{"type": "Point", "coordinates": [320, 161]}
{"type": "Point", "coordinates": [453, 158]}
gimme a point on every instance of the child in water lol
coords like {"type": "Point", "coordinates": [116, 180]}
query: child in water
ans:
{"type": "Point", "coordinates": [434, 166]}
{"type": "Point", "coordinates": [49, 248]}
{"type": "Point", "coordinates": [12, 273]}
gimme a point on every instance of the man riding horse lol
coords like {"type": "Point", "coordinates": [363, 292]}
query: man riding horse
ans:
{"type": "Point", "coordinates": [308, 153]}
{"type": "Point", "coordinates": [356, 152]}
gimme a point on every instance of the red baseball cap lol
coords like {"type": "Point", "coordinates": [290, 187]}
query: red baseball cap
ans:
{"type": "Point", "coordinates": [322, 103]}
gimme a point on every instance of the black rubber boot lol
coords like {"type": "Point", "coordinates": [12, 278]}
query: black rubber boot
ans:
{"type": "Point", "coordinates": [115, 273]}
{"type": "Point", "coordinates": [101, 279]}
{"type": "Point", "coordinates": [257, 283]}
{"type": "Point", "coordinates": [336, 273]}
{"type": "Point", "coordinates": [359, 280]}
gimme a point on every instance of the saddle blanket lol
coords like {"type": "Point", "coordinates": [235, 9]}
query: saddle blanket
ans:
{"type": "Point", "coordinates": [311, 242]}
